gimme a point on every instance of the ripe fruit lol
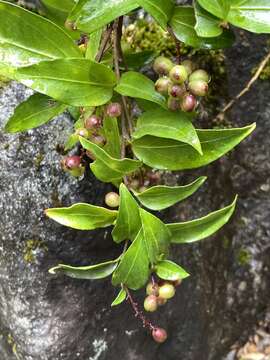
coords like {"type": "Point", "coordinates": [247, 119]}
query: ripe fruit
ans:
{"type": "Point", "coordinates": [93, 122]}
{"type": "Point", "coordinates": [173, 104]}
{"type": "Point", "coordinates": [198, 87]}
{"type": "Point", "coordinates": [159, 335]}
{"type": "Point", "coordinates": [176, 90]}
{"type": "Point", "coordinates": [150, 303]}
{"type": "Point", "coordinates": [162, 85]}
{"type": "Point", "coordinates": [114, 110]}
{"type": "Point", "coordinates": [152, 289]}
{"type": "Point", "coordinates": [72, 162]}
{"type": "Point", "coordinates": [112, 199]}
{"type": "Point", "coordinates": [162, 65]}
{"type": "Point", "coordinates": [167, 291]}
{"type": "Point", "coordinates": [178, 74]}
{"type": "Point", "coordinates": [199, 75]}
{"type": "Point", "coordinates": [188, 103]}
{"type": "Point", "coordinates": [188, 66]}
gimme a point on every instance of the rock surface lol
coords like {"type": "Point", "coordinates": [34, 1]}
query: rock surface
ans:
{"type": "Point", "coordinates": [56, 318]}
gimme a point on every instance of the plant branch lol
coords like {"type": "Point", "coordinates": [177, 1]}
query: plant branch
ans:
{"type": "Point", "coordinates": [177, 44]}
{"type": "Point", "coordinates": [104, 43]}
{"type": "Point", "coordinates": [246, 88]}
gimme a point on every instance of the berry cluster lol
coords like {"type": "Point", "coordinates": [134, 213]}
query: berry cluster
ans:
{"type": "Point", "coordinates": [181, 83]}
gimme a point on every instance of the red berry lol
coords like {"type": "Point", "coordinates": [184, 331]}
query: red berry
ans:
{"type": "Point", "coordinates": [72, 162]}
{"type": "Point", "coordinates": [93, 122]}
{"type": "Point", "coordinates": [114, 110]}
{"type": "Point", "coordinates": [188, 103]}
{"type": "Point", "coordinates": [159, 335]}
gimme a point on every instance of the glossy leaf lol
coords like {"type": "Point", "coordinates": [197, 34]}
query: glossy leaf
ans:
{"type": "Point", "coordinates": [72, 140]}
{"type": "Point", "coordinates": [219, 8]}
{"type": "Point", "coordinates": [137, 85]}
{"type": "Point", "coordinates": [35, 111]}
{"type": "Point", "coordinates": [183, 24]}
{"type": "Point", "coordinates": [168, 270]}
{"type": "Point", "coordinates": [161, 197]}
{"type": "Point", "coordinates": [108, 168]}
{"type": "Point", "coordinates": [77, 82]}
{"type": "Point", "coordinates": [93, 44]}
{"type": "Point", "coordinates": [136, 60]}
{"type": "Point", "coordinates": [175, 155]}
{"type": "Point", "coordinates": [121, 297]}
{"type": "Point", "coordinates": [82, 216]}
{"type": "Point", "coordinates": [195, 230]}
{"type": "Point", "coordinates": [90, 15]}
{"type": "Point", "coordinates": [156, 236]}
{"type": "Point", "coordinates": [169, 125]}
{"type": "Point", "coordinates": [207, 25]}
{"type": "Point", "coordinates": [128, 221]}
{"type": "Point", "coordinates": [27, 38]}
{"type": "Point", "coordinates": [133, 270]}
{"type": "Point", "coordinates": [92, 272]}
{"type": "Point", "coordinates": [112, 136]}
{"type": "Point", "coordinates": [58, 10]}
{"type": "Point", "coordinates": [161, 10]}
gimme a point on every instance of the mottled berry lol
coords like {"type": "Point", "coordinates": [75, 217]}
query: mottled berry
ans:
{"type": "Point", "coordinates": [93, 122]}
{"type": "Point", "coordinates": [159, 335]}
{"type": "Point", "coordinates": [199, 75]}
{"type": "Point", "coordinates": [162, 65]}
{"type": "Point", "coordinates": [188, 103]}
{"type": "Point", "coordinates": [152, 289]}
{"type": "Point", "coordinates": [198, 87]}
{"type": "Point", "coordinates": [162, 85]}
{"type": "Point", "coordinates": [178, 74]}
{"type": "Point", "coordinates": [72, 162]}
{"type": "Point", "coordinates": [188, 66]}
{"type": "Point", "coordinates": [173, 104]}
{"type": "Point", "coordinates": [150, 303]}
{"type": "Point", "coordinates": [167, 291]}
{"type": "Point", "coordinates": [112, 199]}
{"type": "Point", "coordinates": [176, 91]}
{"type": "Point", "coordinates": [114, 110]}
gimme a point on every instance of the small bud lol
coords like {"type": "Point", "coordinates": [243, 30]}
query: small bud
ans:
{"type": "Point", "coordinates": [167, 291]}
{"type": "Point", "coordinates": [159, 335]}
{"type": "Point", "coordinates": [162, 85]}
{"type": "Point", "coordinates": [114, 110]}
{"type": "Point", "coordinates": [176, 91]}
{"type": "Point", "coordinates": [198, 87]}
{"type": "Point", "coordinates": [70, 25]}
{"type": "Point", "coordinates": [150, 303]}
{"type": "Point", "coordinates": [173, 104]}
{"type": "Point", "coordinates": [178, 74]}
{"type": "Point", "coordinates": [98, 140]}
{"type": "Point", "coordinates": [152, 289]}
{"type": "Point", "coordinates": [188, 66]}
{"type": "Point", "coordinates": [161, 301]}
{"type": "Point", "coordinates": [72, 162]}
{"type": "Point", "coordinates": [199, 75]}
{"type": "Point", "coordinates": [82, 132]}
{"type": "Point", "coordinates": [162, 65]}
{"type": "Point", "coordinates": [112, 199]}
{"type": "Point", "coordinates": [93, 122]}
{"type": "Point", "coordinates": [188, 103]}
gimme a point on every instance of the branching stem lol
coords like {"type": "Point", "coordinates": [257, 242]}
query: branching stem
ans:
{"type": "Point", "coordinates": [177, 44]}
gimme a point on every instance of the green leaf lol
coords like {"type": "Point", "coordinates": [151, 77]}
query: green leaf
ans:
{"type": "Point", "coordinates": [195, 230]}
{"type": "Point", "coordinates": [121, 297]}
{"type": "Point", "coordinates": [136, 85]}
{"type": "Point", "coordinates": [27, 38]}
{"type": "Point", "coordinates": [207, 25]}
{"type": "Point", "coordinates": [136, 60]}
{"type": "Point", "coordinates": [168, 270]}
{"type": "Point", "coordinates": [112, 136]}
{"type": "Point", "coordinates": [90, 15]}
{"type": "Point", "coordinates": [161, 197]}
{"type": "Point", "coordinates": [92, 272]}
{"type": "Point", "coordinates": [128, 221]}
{"type": "Point", "coordinates": [77, 82]}
{"type": "Point", "coordinates": [82, 216]}
{"type": "Point", "coordinates": [71, 141]}
{"type": "Point", "coordinates": [108, 168]}
{"type": "Point", "coordinates": [35, 111]}
{"type": "Point", "coordinates": [219, 8]}
{"type": "Point", "coordinates": [183, 23]}
{"type": "Point", "coordinates": [58, 10]}
{"type": "Point", "coordinates": [175, 155]}
{"type": "Point", "coordinates": [161, 10]}
{"type": "Point", "coordinates": [93, 45]}
{"type": "Point", "coordinates": [156, 236]}
{"type": "Point", "coordinates": [133, 270]}
{"type": "Point", "coordinates": [169, 125]}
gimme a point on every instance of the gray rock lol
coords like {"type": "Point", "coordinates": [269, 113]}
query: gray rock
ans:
{"type": "Point", "coordinates": [43, 317]}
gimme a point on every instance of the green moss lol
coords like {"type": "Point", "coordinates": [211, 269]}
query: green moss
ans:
{"type": "Point", "coordinates": [243, 256]}
{"type": "Point", "coordinates": [11, 342]}
{"type": "Point", "coordinates": [37, 161]}
{"type": "Point", "coordinates": [31, 247]}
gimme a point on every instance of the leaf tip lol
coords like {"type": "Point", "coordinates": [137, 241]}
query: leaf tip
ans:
{"type": "Point", "coordinates": [53, 270]}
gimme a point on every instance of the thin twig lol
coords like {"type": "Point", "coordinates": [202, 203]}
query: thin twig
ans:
{"type": "Point", "coordinates": [104, 43]}
{"type": "Point", "coordinates": [246, 88]}
{"type": "Point", "coordinates": [177, 44]}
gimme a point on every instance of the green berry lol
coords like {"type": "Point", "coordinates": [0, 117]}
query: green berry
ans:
{"type": "Point", "coordinates": [162, 65]}
{"type": "Point", "coordinates": [199, 75]}
{"type": "Point", "coordinates": [150, 303]}
{"type": "Point", "coordinates": [176, 91]}
{"type": "Point", "coordinates": [198, 87]}
{"type": "Point", "coordinates": [112, 199]}
{"type": "Point", "coordinates": [178, 74]}
{"type": "Point", "coordinates": [188, 66]}
{"type": "Point", "coordinates": [167, 291]}
{"type": "Point", "coordinates": [70, 25]}
{"type": "Point", "coordinates": [173, 104]}
{"type": "Point", "coordinates": [162, 85]}
{"type": "Point", "coordinates": [159, 335]}
{"type": "Point", "coordinates": [188, 103]}
{"type": "Point", "coordinates": [152, 289]}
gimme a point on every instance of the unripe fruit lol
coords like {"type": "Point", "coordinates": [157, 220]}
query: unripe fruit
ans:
{"type": "Point", "coordinates": [188, 103]}
{"type": "Point", "coordinates": [150, 303]}
{"type": "Point", "coordinates": [98, 140]}
{"type": "Point", "coordinates": [188, 66]}
{"type": "Point", "coordinates": [162, 65]}
{"type": "Point", "coordinates": [72, 162]}
{"type": "Point", "coordinates": [93, 122]}
{"type": "Point", "coordinates": [152, 289]}
{"type": "Point", "coordinates": [114, 110]}
{"type": "Point", "coordinates": [70, 25]}
{"type": "Point", "coordinates": [173, 104]}
{"type": "Point", "coordinates": [167, 291]}
{"type": "Point", "coordinates": [198, 87]}
{"type": "Point", "coordinates": [178, 74]}
{"type": "Point", "coordinates": [112, 199]}
{"type": "Point", "coordinates": [161, 301]}
{"type": "Point", "coordinates": [162, 85]}
{"type": "Point", "coordinates": [199, 75]}
{"type": "Point", "coordinates": [176, 91]}
{"type": "Point", "coordinates": [82, 132]}
{"type": "Point", "coordinates": [159, 335]}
